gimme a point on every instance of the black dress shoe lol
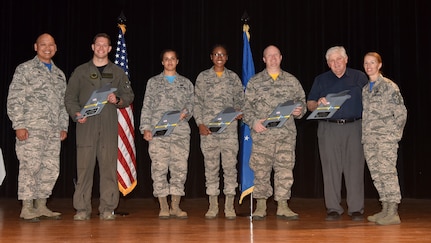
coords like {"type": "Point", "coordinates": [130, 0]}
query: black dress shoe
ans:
{"type": "Point", "coordinates": [331, 216]}
{"type": "Point", "coordinates": [357, 216]}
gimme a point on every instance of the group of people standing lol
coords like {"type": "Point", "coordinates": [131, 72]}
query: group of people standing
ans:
{"type": "Point", "coordinates": [367, 127]}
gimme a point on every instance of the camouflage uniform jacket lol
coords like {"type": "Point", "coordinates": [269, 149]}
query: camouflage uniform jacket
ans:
{"type": "Point", "coordinates": [384, 114]}
{"type": "Point", "coordinates": [36, 97]}
{"type": "Point", "coordinates": [213, 94]}
{"type": "Point", "coordinates": [162, 96]}
{"type": "Point", "coordinates": [263, 94]}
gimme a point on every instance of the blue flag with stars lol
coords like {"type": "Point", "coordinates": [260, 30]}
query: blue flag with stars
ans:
{"type": "Point", "coordinates": [246, 174]}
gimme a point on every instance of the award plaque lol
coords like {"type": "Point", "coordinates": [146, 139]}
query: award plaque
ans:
{"type": "Point", "coordinates": [280, 114]}
{"type": "Point", "coordinates": [96, 102]}
{"type": "Point", "coordinates": [167, 124]}
{"type": "Point", "coordinates": [327, 111]}
{"type": "Point", "coordinates": [219, 123]}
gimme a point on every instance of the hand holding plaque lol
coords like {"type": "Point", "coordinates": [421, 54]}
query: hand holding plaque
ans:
{"type": "Point", "coordinates": [219, 123]}
{"type": "Point", "coordinates": [96, 102]}
{"type": "Point", "coordinates": [335, 100]}
{"type": "Point", "coordinates": [167, 123]}
{"type": "Point", "coordinates": [280, 114]}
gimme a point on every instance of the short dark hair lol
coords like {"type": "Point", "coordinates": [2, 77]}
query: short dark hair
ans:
{"type": "Point", "coordinates": [219, 45]}
{"type": "Point", "coordinates": [168, 50]}
{"type": "Point", "coordinates": [104, 35]}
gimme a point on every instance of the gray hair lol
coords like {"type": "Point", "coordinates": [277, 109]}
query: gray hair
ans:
{"type": "Point", "coordinates": [338, 49]}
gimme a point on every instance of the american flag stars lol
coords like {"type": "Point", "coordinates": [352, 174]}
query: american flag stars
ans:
{"type": "Point", "coordinates": [121, 54]}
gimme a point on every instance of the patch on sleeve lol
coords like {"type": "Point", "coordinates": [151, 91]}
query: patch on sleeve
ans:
{"type": "Point", "coordinates": [396, 98]}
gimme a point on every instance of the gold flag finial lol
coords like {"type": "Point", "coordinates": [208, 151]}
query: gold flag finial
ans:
{"type": "Point", "coordinates": [123, 28]}
{"type": "Point", "coordinates": [246, 28]}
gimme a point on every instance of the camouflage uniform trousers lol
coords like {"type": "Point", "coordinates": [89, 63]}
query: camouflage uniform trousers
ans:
{"type": "Point", "coordinates": [214, 146]}
{"type": "Point", "coordinates": [169, 153]}
{"type": "Point", "coordinates": [39, 164]}
{"type": "Point", "coordinates": [382, 160]}
{"type": "Point", "coordinates": [271, 152]}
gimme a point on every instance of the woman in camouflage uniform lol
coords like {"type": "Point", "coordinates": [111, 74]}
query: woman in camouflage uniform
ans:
{"type": "Point", "coordinates": [383, 119]}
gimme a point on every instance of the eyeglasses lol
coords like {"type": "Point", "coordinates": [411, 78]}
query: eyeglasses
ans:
{"type": "Point", "coordinates": [219, 55]}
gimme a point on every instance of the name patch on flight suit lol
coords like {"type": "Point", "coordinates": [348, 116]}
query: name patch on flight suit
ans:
{"type": "Point", "coordinates": [107, 75]}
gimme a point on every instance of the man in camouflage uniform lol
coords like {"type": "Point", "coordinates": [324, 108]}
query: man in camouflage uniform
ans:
{"type": "Point", "coordinates": [218, 88]}
{"type": "Point", "coordinates": [383, 120]}
{"type": "Point", "coordinates": [273, 148]}
{"type": "Point", "coordinates": [168, 91]}
{"type": "Point", "coordinates": [36, 108]}
{"type": "Point", "coordinates": [97, 136]}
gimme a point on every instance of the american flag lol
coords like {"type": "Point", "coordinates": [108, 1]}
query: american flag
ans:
{"type": "Point", "coordinates": [126, 161]}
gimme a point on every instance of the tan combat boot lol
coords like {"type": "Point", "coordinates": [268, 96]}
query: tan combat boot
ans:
{"type": "Point", "coordinates": [175, 208]}
{"type": "Point", "coordinates": [164, 208]}
{"type": "Point", "coordinates": [43, 211]}
{"type": "Point", "coordinates": [229, 211]}
{"type": "Point", "coordinates": [28, 212]}
{"type": "Point", "coordinates": [391, 217]}
{"type": "Point", "coordinates": [260, 212]}
{"type": "Point", "coordinates": [284, 212]}
{"type": "Point", "coordinates": [381, 214]}
{"type": "Point", "coordinates": [213, 208]}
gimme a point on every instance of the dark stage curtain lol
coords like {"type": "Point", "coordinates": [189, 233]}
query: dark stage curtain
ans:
{"type": "Point", "coordinates": [398, 29]}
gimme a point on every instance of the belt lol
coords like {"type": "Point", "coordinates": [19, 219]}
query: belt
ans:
{"type": "Point", "coordinates": [342, 121]}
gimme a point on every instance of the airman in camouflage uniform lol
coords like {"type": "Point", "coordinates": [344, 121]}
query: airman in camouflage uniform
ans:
{"type": "Point", "coordinates": [218, 88]}
{"type": "Point", "coordinates": [165, 92]}
{"type": "Point", "coordinates": [383, 120]}
{"type": "Point", "coordinates": [273, 148]}
{"type": "Point", "coordinates": [36, 108]}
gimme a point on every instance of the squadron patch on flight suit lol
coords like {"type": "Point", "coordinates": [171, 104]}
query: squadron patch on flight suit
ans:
{"type": "Point", "coordinates": [94, 76]}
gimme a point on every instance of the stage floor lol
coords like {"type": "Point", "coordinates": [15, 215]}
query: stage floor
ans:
{"type": "Point", "coordinates": [137, 221]}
